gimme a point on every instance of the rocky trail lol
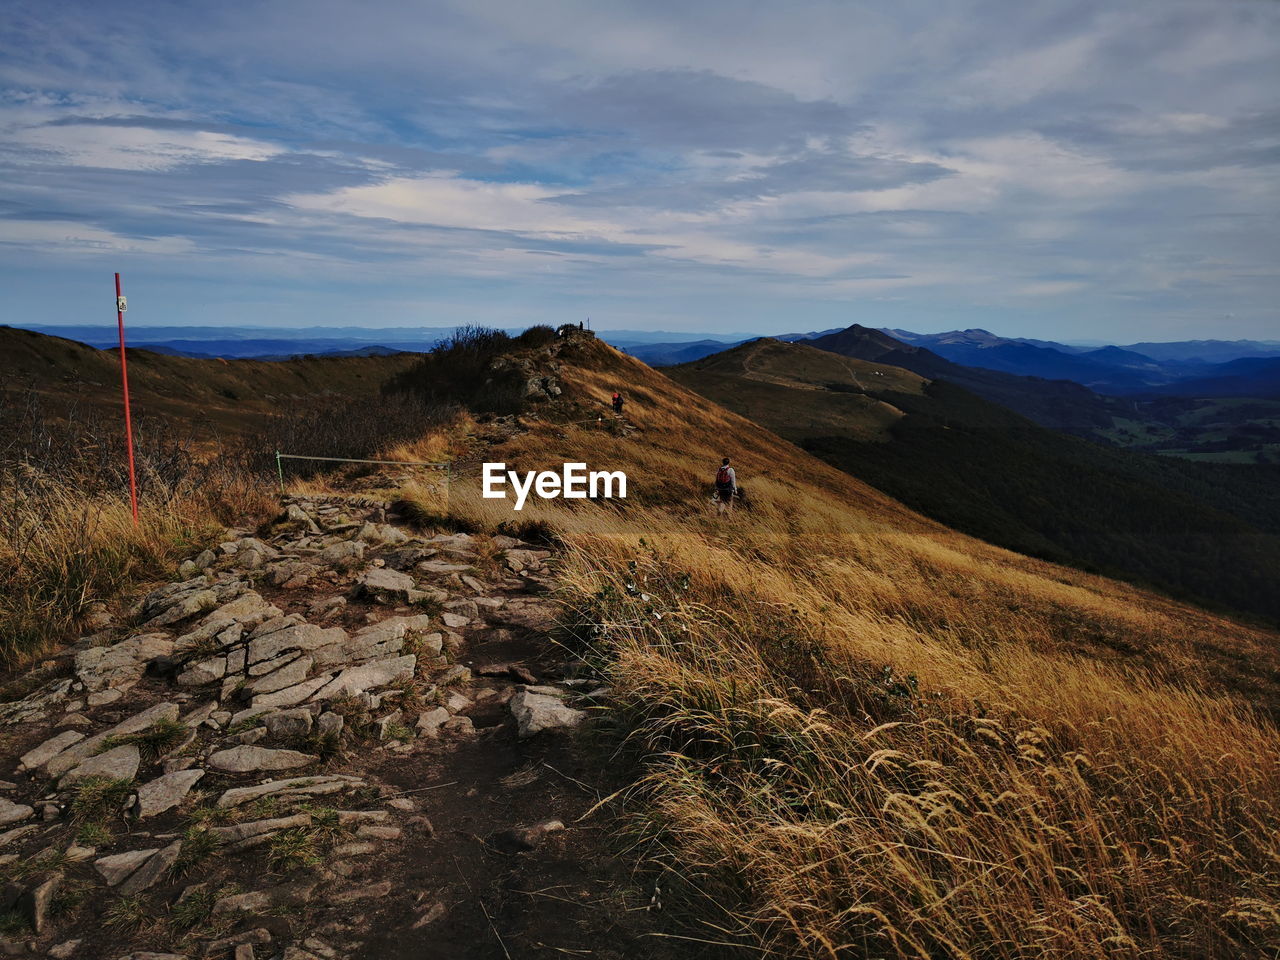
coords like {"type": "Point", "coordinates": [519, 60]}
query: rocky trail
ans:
{"type": "Point", "coordinates": [336, 736]}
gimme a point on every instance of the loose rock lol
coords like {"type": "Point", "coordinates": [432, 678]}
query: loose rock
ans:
{"type": "Point", "coordinates": [250, 759]}
{"type": "Point", "coordinates": [535, 712]}
{"type": "Point", "coordinates": [165, 793]}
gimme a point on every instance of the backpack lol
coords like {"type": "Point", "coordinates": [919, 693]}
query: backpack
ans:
{"type": "Point", "coordinates": [722, 477]}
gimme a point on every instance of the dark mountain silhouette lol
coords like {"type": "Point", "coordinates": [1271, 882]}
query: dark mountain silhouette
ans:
{"type": "Point", "coordinates": [1246, 377]}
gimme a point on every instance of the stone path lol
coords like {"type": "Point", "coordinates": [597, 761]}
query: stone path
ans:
{"type": "Point", "coordinates": [337, 737]}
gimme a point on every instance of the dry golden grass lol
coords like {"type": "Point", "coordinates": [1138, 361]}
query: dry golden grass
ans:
{"type": "Point", "coordinates": [866, 735]}
{"type": "Point", "coordinates": [62, 548]}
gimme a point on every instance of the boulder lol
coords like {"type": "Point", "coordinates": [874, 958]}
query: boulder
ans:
{"type": "Point", "coordinates": [535, 712]}
{"type": "Point", "coordinates": [329, 724]}
{"type": "Point", "coordinates": [466, 608]}
{"type": "Point", "coordinates": [290, 695]}
{"type": "Point", "coordinates": [255, 828]}
{"type": "Point", "coordinates": [35, 903]}
{"type": "Point", "coordinates": [298, 636]}
{"type": "Point", "coordinates": [291, 574]}
{"type": "Point", "coordinates": [430, 721]}
{"type": "Point", "coordinates": [345, 551]}
{"type": "Point", "coordinates": [248, 608]}
{"type": "Point", "coordinates": [214, 630]}
{"type": "Point", "coordinates": [518, 560]}
{"type": "Point", "coordinates": [187, 605]}
{"type": "Point", "coordinates": [296, 515]}
{"type": "Point", "coordinates": [255, 901]}
{"type": "Point", "coordinates": [84, 749]}
{"type": "Point", "coordinates": [441, 567]}
{"type": "Point", "coordinates": [458, 728]}
{"type": "Point", "coordinates": [251, 759]}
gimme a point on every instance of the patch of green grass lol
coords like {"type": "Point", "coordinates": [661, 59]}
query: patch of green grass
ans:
{"type": "Point", "coordinates": [94, 834]}
{"type": "Point", "coordinates": [205, 814]}
{"type": "Point", "coordinates": [398, 731]}
{"type": "Point", "coordinates": [198, 845]}
{"type": "Point", "coordinates": [71, 894]}
{"type": "Point", "coordinates": [98, 798]}
{"type": "Point", "coordinates": [128, 914]}
{"type": "Point", "coordinates": [155, 741]}
{"type": "Point", "coordinates": [262, 809]}
{"type": "Point", "coordinates": [193, 910]}
{"type": "Point", "coordinates": [294, 849]}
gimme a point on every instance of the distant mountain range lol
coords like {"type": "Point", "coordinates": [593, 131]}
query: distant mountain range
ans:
{"type": "Point", "coordinates": [1217, 368]}
{"type": "Point", "coordinates": [259, 343]}
{"type": "Point", "coordinates": [1141, 368]}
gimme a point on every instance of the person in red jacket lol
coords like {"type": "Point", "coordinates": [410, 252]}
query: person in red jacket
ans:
{"type": "Point", "coordinates": [617, 403]}
{"type": "Point", "coordinates": [726, 486]}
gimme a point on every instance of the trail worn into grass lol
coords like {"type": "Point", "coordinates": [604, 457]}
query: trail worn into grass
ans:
{"type": "Point", "coordinates": [343, 736]}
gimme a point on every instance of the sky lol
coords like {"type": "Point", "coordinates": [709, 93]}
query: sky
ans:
{"type": "Point", "coordinates": [1064, 170]}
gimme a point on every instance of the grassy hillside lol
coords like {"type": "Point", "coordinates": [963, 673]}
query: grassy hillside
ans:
{"type": "Point", "coordinates": [1206, 531]}
{"type": "Point", "coordinates": [822, 392]}
{"type": "Point", "coordinates": [204, 431]}
{"type": "Point", "coordinates": [857, 733]}
{"type": "Point", "coordinates": [213, 394]}
{"type": "Point", "coordinates": [863, 734]}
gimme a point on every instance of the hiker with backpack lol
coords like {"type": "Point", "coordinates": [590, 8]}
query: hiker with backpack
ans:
{"type": "Point", "coordinates": [617, 403]}
{"type": "Point", "coordinates": [726, 487]}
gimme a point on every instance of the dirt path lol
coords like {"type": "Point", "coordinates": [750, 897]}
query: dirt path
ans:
{"type": "Point", "coordinates": [339, 737]}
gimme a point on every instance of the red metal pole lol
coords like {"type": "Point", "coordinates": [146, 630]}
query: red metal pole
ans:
{"type": "Point", "coordinates": [128, 420]}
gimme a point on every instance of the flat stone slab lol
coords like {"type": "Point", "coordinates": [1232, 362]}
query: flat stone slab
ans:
{"type": "Point", "coordinates": [120, 763]}
{"type": "Point", "coordinates": [77, 752]}
{"type": "Point", "coordinates": [319, 785]}
{"type": "Point", "coordinates": [378, 673]}
{"type": "Point", "coordinates": [153, 870]}
{"type": "Point", "coordinates": [39, 756]}
{"type": "Point", "coordinates": [166, 792]}
{"type": "Point", "coordinates": [116, 868]}
{"type": "Point", "coordinates": [299, 636]}
{"type": "Point", "coordinates": [250, 759]}
{"type": "Point", "coordinates": [121, 664]}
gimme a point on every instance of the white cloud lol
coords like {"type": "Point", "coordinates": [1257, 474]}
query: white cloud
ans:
{"type": "Point", "coordinates": [69, 237]}
{"type": "Point", "coordinates": [132, 148]}
{"type": "Point", "coordinates": [528, 210]}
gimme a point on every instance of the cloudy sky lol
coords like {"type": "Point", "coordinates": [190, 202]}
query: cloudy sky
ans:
{"type": "Point", "coordinates": [1068, 169]}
